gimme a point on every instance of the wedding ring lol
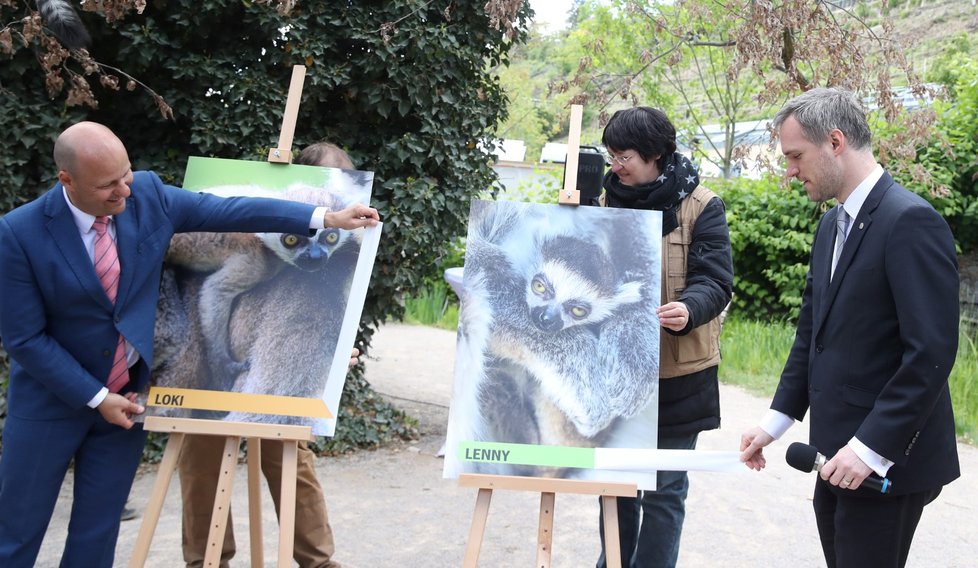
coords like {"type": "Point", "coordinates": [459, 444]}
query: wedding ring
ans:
{"type": "Point", "coordinates": [846, 482]}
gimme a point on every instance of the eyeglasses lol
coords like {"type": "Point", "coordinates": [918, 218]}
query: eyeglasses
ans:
{"type": "Point", "coordinates": [620, 160]}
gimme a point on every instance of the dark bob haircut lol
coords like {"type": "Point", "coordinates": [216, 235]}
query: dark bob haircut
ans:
{"type": "Point", "coordinates": [643, 129]}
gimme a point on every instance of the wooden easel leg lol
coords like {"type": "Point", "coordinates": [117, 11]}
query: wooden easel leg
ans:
{"type": "Point", "coordinates": [612, 541]}
{"type": "Point", "coordinates": [545, 537]}
{"type": "Point", "coordinates": [286, 520]}
{"type": "Point", "coordinates": [222, 503]}
{"type": "Point", "coordinates": [478, 529]}
{"type": "Point", "coordinates": [152, 515]}
{"type": "Point", "coordinates": [254, 502]}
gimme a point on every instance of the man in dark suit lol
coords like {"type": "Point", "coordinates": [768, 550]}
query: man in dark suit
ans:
{"type": "Point", "coordinates": [66, 323]}
{"type": "Point", "coordinates": [876, 339]}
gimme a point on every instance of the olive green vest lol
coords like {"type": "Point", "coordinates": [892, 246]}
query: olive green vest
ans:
{"type": "Point", "coordinates": [700, 348]}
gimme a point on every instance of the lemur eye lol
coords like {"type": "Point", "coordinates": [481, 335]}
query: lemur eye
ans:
{"type": "Point", "coordinates": [538, 286]}
{"type": "Point", "coordinates": [290, 240]}
{"type": "Point", "coordinates": [332, 237]}
{"type": "Point", "coordinates": [579, 312]}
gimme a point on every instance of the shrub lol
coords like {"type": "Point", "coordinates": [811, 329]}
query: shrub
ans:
{"type": "Point", "coordinates": [771, 231]}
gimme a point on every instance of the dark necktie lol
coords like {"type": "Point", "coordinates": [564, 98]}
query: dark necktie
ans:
{"type": "Point", "coordinates": [841, 225]}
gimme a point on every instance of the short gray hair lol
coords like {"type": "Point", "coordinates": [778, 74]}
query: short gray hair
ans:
{"type": "Point", "coordinates": [821, 110]}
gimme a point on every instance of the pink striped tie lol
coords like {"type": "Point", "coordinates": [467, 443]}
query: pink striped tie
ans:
{"type": "Point", "coordinates": [107, 269]}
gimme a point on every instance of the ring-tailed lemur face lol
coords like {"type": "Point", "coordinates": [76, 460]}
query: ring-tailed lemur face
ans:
{"type": "Point", "coordinates": [305, 252]}
{"type": "Point", "coordinates": [558, 298]}
{"type": "Point", "coordinates": [574, 284]}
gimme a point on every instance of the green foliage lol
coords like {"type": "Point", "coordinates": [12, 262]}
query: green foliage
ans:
{"type": "Point", "coordinates": [155, 446]}
{"type": "Point", "coordinates": [540, 187]}
{"type": "Point", "coordinates": [365, 420]}
{"type": "Point", "coordinates": [964, 388]}
{"type": "Point", "coordinates": [951, 155]}
{"type": "Point", "coordinates": [432, 305]}
{"type": "Point", "coordinates": [771, 230]}
{"type": "Point", "coordinates": [404, 86]}
{"type": "Point", "coordinates": [534, 117]}
{"type": "Point", "coordinates": [754, 353]}
{"type": "Point", "coordinates": [954, 62]}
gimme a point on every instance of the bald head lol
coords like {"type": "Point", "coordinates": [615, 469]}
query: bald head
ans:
{"type": "Point", "coordinates": [85, 140]}
{"type": "Point", "coordinates": [93, 167]}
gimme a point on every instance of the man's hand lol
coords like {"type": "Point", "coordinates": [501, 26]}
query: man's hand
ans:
{"type": "Point", "coordinates": [752, 444]}
{"type": "Point", "coordinates": [119, 410]}
{"type": "Point", "coordinates": [845, 470]}
{"type": "Point", "coordinates": [674, 316]}
{"type": "Point", "coordinates": [353, 217]}
{"type": "Point", "coordinates": [354, 357]}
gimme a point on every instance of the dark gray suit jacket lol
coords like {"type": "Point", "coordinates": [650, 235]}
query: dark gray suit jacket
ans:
{"type": "Point", "coordinates": [875, 345]}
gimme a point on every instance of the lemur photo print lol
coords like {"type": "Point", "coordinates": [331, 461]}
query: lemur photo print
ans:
{"type": "Point", "coordinates": [262, 314]}
{"type": "Point", "coordinates": [558, 338]}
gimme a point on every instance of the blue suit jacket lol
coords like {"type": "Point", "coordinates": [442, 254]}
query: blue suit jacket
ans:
{"type": "Point", "coordinates": [58, 325]}
{"type": "Point", "coordinates": [875, 345]}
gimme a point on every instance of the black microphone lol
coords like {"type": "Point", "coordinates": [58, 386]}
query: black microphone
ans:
{"type": "Point", "coordinates": [806, 458]}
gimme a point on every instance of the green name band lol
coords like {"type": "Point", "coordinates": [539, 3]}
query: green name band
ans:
{"type": "Point", "coordinates": [526, 454]}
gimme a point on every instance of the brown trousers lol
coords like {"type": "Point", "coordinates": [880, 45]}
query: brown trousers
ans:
{"type": "Point", "coordinates": [200, 462]}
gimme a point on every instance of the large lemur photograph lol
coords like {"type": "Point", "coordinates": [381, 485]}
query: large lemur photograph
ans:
{"type": "Point", "coordinates": [264, 313]}
{"type": "Point", "coordinates": [558, 338]}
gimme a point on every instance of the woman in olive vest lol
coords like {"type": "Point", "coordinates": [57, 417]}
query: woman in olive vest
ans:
{"type": "Point", "coordinates": [697, 278]}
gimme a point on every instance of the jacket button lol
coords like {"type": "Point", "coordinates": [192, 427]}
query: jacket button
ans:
{"type": "Point", "coordinates": [117, 319]}
{"type": "Point", "coordinates": [819, 348]}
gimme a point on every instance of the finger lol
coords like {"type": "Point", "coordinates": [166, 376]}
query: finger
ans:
{"type": "Point", "coordinates": [123, 421]}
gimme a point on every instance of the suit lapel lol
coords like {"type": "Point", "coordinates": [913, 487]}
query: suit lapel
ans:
{"type": "Point", "coordinates": [126, 239]}
{"type": "Point", "coordinates": [64, 233]}
{"type": "Point", "coordinates": [859, 228]}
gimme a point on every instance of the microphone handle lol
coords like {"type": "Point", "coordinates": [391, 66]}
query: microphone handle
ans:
{"type": "Point", "coordinates": [877, 483]}
{"type": "Point", "coordinates": [873, 482]}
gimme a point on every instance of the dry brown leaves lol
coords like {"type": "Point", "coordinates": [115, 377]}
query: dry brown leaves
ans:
{"type": "Point", "coordinates": [502, 15]}
{"type": "Point", "coordinates": [792, 45]}
{"type": "Point", "coordinates": [71, 71]}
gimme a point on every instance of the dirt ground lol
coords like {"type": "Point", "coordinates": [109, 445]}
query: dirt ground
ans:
{"type": "Point", "coordinates": [391, 507]}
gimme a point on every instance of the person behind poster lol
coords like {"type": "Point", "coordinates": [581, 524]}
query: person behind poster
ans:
{"type": "Point", "coordinates": [648, 173]}
{"type": "Point", "coordinates": [64, 327]}
{"type": "Point", "coordinates": [875, 342]}
{"type": "Point", "coordinates": [200, 460]}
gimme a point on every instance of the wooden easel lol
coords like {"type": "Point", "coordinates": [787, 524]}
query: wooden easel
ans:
{"type": "Point", "coordinates": [548, 488]}
{"type": "Point", "coordinates": [570, 195]}
{"type": "Point", "coordinates": [233, 432]}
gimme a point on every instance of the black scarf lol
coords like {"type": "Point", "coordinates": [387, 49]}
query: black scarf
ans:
{"type": "Point", "coordinates": [677, 181]}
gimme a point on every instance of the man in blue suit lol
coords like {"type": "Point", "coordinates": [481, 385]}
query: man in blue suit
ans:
{"type": "Point", "coordinates": [877, 337]}
{"type": "Point", "coordinates": [61, 329]}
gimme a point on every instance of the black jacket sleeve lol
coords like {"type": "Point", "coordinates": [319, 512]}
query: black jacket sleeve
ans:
{"type": "Point", "coordinates": [709, 267]}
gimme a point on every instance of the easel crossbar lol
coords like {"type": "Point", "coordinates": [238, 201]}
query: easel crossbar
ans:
{"type": "Point", "coordinates": [542, 485]}
{"type": "Point", "coordinates": [219, 428]}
